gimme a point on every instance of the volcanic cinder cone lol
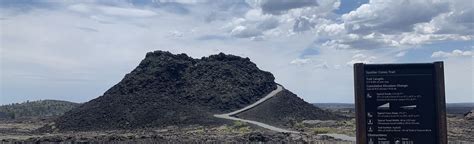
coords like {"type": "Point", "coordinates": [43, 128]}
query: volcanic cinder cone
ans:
{"type": "Point", "coordinates": [167, 89]}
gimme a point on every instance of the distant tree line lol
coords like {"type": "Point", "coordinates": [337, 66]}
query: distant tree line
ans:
{"type": "Point", "coordinates": [40, 108]}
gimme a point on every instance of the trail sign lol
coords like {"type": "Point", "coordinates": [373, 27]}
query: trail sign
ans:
{"type": "Point", "coordinates": [400, 103]}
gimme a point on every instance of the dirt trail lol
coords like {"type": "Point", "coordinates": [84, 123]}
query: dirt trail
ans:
{"type": "Point", "coordinates": [229, 116]}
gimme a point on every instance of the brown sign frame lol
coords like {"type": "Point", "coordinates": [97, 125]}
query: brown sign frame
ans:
{"type": "Point", "coordinates": [439, 91]}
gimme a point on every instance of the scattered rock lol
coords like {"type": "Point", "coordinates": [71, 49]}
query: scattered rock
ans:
{"type": "Point", "coordinates": [469, 115]}
{"type": "Point", "coordinates": [323, 137]}
{"type": "Point", "coordinates": [257, 137]}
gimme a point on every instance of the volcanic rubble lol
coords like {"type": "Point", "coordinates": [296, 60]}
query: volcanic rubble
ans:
{"type": "Point", "coordinates": [173, 90]}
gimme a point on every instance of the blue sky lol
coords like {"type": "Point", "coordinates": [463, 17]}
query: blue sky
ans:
{"type": "Point", "coordinates": [76, 50]}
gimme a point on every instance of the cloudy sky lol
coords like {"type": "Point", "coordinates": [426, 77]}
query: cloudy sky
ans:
{"type": "Point", "coordinates": [76, 50]}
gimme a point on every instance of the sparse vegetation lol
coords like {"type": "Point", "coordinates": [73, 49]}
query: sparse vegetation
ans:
{"type": "Point", "coordinates": [321, 130]}
{"type": "Point", "coordinates": [346, 127]}
{"type": "Point", "coordinates": [241, 127]}
{"type": "Point", "coordinates": [347, 123]}
{"type": "Point", "coordinates": [236, 127]}
{"type": "Point", "coordinates": [299, 126]}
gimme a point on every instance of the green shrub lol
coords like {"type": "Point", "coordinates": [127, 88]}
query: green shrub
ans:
{"type": "Point", "coordinates": [239, 124]}
{"type": "Point", "coordinates": [236, 127]}
{"type": "Point", "coordinates": [321, 130]}
{"type": "Point", "coordinates": [299, 126]}
{"type": "Point", "coordinates": [244, 129]}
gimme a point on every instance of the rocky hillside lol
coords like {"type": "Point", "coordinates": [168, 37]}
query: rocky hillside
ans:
{"type": "Point", "coordinates": [41, 108]}
{"type": "Point", "coordinates": [167, 89]}
{"type": "Point", "coordinates": [286, 109]}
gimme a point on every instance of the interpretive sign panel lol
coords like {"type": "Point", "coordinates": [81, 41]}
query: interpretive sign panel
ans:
{"type": "Point", "coordinates": [400, 103]}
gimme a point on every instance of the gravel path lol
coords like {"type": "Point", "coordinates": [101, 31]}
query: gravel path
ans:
{"type": "Point", "coordinates": [267, 126]}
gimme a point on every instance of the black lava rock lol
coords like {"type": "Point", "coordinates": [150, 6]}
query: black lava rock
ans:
{"type": "Point", "coordinates": [285, 109]}
{"type": "Point", "coordinates": [167, 89]}
{"type": "Point", "coordinates": [257, 137]}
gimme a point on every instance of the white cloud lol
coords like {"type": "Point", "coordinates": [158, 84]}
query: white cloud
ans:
{"type": "Point", "coordinates": [127, 12]}
{"type": "Point", "coordinates": [260, 23]}
{"type": "Point", "coordinates": [81, 8]}
{"type": "Point", "coordinates": [401, 24]}
{"type": "Point", "coordinates": [300, 61]}
{"type": "Point", "coordinates": [302, 24]}
{"type": "Point", "coordinates": [255, 15]}
{"type": "Point", "coordinates": [319, 64]}
{"type": "Point", "coordinates": [253, 25]}
{"type": "Point", "coordinates": [454, 53]}
{"type": "Point", "coordinates": [459, 20]}
{"type": "Point", "coordinates": [111, 10]}
{"type": "Point", "coordinates": [244, 32]}
{"type": "Point", "coordinates": [323, 65]}
{"type": "Point", "coordinates": [281, 6]}
{"type": "Point", "coordinates": [176, 34]}
{"type": "Point", "coordinates": [386, 16]}
{"type": "Point", "coordinates": [332, 29]}
{"type": "Point", "coordinates": [401, 54]}
{"type": "Point", "coordinates": [361, 58]}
